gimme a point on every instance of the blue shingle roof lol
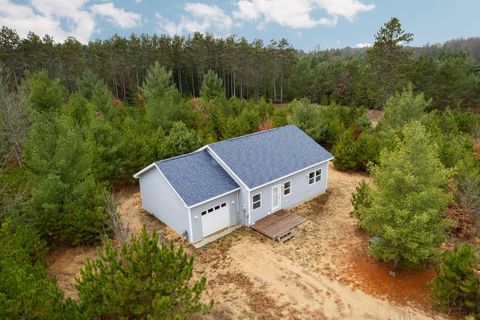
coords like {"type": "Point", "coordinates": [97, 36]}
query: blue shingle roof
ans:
{"type": "Point", "coordinates": [266, 156]}
{"type": "Point", "coordinates": [196, 177]}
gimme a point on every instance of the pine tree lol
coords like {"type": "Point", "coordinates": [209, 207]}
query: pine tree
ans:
{"type": "Point", "coordinates": [457, 283]}
{"type": "Point", "coordinates": [140, 280]}
{"type": "Point", "coordinates": [179, 141]}
{"type": "Point", "coordinates": [212, 86]}
{"type": "Point", "coordinates": [408, 199]}
{"type": "Point", "coordinates": [66, 203]}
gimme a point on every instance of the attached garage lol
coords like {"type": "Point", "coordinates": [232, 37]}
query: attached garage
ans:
{"type": "Point", "coordinates": [191, 193]}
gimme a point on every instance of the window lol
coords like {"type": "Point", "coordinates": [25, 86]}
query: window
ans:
{"type": "Point", "coordinates": [257, 201]}
{"type": "Point", "coordinates": [286, 188]}
{"type": "Point", "coordinates": [315, 176]}
{"type": "Point", "coordinates": [311, 178]}
{"type": "Point", "coordinates": [214, 208]}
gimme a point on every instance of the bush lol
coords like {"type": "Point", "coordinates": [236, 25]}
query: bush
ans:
{"type": "Point", "coordinates": [140, 280]}
{"type": "Point", "coordinates": [457, 283]}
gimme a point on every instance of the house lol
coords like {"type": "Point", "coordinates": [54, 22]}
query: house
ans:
{"type": "Point", "coordinates": [234, 182]}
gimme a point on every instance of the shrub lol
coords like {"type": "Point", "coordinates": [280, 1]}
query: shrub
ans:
{"type": "Point", "coordinates": [457, 283]}
{"type": "Point", "coordinates": [140, 280]}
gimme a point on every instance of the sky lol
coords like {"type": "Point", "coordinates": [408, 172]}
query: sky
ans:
{"type": "Point", "coordinates": [306, 24]}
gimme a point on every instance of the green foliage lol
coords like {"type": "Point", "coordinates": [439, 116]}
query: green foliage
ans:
{"type": "Point", "coordinates": [79, 111]}
{"type": "Point", "coordinates": [180, 140]}
{"type": "Point", "coordinates": [247, 122]}
{"type": "Point", "coordinates": [95, 91]}
{"type": "Point", "coordinates": [141, 280]}
{"type": "Point", "coordinates": [25, 291]}
{"type": "Point", "coordinates": [361, 200]}
{"type": "Point", "coordinates": [108, 149]}
{"type": "Point", "coordinates": [44, 94]}
{"type": "Point", "coordinates": [324, 125]}
{"type": "Point", "coordinates": [212, 86]}
{"type": "Point", "coordinates": [66, 202]}
{"type": "Point", "coordinates": [389, 60]}
{"type": "Point", "coordinates": [467, 184]}
{"type": "Point", "coordinates": [400, 109]}
{"type": "Point", "coordinates": [408, 200]}
{"type": "Point", "coordinates": [355, 154]}
{"type": "Point", "coordinates": [163, 103]}
{"type": "Point", "coordinates": [457, 283]}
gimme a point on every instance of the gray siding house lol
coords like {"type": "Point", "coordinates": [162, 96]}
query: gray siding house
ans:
{"type": "Point", "coordinates": [234, 182]}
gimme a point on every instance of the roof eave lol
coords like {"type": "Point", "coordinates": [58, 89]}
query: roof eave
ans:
{"type": "Point", "coordinates": [139, 173]}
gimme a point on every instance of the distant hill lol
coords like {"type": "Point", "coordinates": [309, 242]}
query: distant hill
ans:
{"type": "Point", "coordinates": [470, 45]}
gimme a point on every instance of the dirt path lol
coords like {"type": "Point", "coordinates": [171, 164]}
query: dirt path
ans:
{"type": "Point", "coordinates": [322, 273]}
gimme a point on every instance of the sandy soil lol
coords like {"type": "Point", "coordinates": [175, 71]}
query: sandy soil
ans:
{"type": "Point", "coordinates": [322, 273]}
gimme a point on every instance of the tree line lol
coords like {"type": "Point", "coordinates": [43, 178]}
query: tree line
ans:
{"type": "Point", "coordinates": [274, 70]}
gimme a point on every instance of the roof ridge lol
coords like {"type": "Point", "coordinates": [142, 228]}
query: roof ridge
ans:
{"type": "Point", "coordinates": [181, 155]}
{"type": "Point", "coordinates": [253, 133]}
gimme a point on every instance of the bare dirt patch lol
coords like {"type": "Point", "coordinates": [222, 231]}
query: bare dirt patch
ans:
{"type": "Point", "coordinates": [65, 264]}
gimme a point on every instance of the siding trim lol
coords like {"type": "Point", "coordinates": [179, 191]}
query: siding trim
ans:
{"type": "Point", "coordinates": [168, 182]}
{"type": "Point", "coordinates": [213, 198]}
{"type": "Point", "coordinates": [290, 174]}
{"type": "Point", "coordinates": [190, 232]}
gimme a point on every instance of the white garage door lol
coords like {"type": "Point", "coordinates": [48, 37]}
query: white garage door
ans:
{"type": "Point", "coordinates": [215, 218]}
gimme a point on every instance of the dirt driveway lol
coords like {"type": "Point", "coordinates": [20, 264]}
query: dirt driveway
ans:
{"type": "Point", "coordinates": [322, 273]}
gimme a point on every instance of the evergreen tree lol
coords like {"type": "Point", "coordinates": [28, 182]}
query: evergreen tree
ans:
{"type": "Point", "coordinates": [179, 141]}
{"type": "Point", "coordinates": [140, 280]}
{"type": "Point", "coordinates": [400, 109]}
{"type": "Point", "coordinates": [388, 58]}
{"type": "Point", "coordinates": [66, 203]}
{"type": "Point", "coordinates": [212, 86]}
{"type": "Point", "coordinates": [408, 200]}
{"type": "Point", "coordinates": [457, 283]}
{"type": "Point", "coordinates": [43, 93]}
{"type": "Point", "coordinates": [25, 290]}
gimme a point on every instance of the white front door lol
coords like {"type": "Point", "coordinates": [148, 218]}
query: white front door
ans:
{"type": "Point", "coordinates": [276, 198]}
{"type": "Point", "coordinates": [215, 218]}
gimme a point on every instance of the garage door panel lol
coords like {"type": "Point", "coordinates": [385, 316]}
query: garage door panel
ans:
{"type": "Point", "coordinates": [215, 218]}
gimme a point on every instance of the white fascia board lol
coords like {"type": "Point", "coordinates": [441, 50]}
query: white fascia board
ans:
{"type": "Point", "coordinates": [291, 174]}
{"type": "Point", "coordinates": [213, 198]}
{"type": "Point", "coordinates": [217, 158]}
{"type": "Point", "coordinates": [136, 175]}
{"type": "Point", "coordinates": [181, 199]}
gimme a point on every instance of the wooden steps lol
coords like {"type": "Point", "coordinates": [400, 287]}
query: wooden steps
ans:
{"type": "Point", "coordinates": [286, 236]}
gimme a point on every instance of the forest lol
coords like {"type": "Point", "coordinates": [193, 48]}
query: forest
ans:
{"type": "Point", "coordinates": [78, 120]}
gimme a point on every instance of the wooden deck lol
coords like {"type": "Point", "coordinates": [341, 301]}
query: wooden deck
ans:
{"type": "Point", "coordinates": [278, 225]}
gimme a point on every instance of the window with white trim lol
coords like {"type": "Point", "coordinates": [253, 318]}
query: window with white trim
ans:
{"type": "Point", "coordinates": [257, 201]}
{"type": "Point", "coordinates": [315, 176]}
{"type": "Point", "coordinates": [287, 188]}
